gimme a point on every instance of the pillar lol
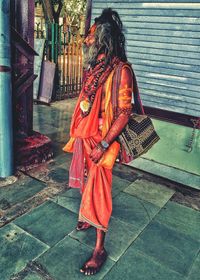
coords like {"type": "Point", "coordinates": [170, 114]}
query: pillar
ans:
{"type": "Point", "coordinates": [6, 130]}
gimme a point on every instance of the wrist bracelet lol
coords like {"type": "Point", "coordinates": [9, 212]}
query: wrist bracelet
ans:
{"type": "Point", "coordinates": [104, 144]}
{"type": "Point", "coordinates": [100, 147]}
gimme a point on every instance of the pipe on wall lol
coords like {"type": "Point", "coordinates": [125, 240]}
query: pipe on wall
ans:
{"type": "Point", "coordinates": [6, 128]}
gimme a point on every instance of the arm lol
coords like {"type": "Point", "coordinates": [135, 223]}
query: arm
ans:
{"type": "Point", "coordinates": [124, 110]}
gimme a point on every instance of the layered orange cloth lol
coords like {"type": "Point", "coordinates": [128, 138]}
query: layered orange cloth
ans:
{"type": "Point", "coordinates": [96, 204]}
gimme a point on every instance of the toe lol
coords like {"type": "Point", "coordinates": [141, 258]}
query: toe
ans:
{"type": "Point", "coordinates": [83, 268]}
{"type": "Point", "coordinates": [90, 271]}
{"type": "Point", "coordinates": [86, 270]}
{"type": "Point", "coordinates": [94, 271]}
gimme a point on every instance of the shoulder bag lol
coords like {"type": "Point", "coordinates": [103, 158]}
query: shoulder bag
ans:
{"type": "Point", "coordinates": [139, 134]}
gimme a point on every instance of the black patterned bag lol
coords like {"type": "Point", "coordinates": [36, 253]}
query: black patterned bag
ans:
{"type": "Point", "coordinates": [138, 136]}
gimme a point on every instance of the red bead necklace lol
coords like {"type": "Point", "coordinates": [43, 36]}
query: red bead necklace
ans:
{"type": "Point", "coordinates": [94, 78]}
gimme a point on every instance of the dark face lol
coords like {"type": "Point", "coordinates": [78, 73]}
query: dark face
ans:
{"type": "Point", "coordinates": [90, 39]}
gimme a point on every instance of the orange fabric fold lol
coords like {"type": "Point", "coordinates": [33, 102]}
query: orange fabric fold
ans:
{"type": "Point", "coordinates": [69, 146]}
{"type": "Point", "coordinates": [96, 204]}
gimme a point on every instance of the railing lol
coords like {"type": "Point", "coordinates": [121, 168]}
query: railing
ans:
{"type": "Point", "coordinates": [64, 48]}
{"type": "Point", "coordinates": [70, 65]}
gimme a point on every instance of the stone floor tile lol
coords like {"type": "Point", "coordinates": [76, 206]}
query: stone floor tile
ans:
{"type": "Point", "coordinates": [150, 191]}
{"type": "Point", "coordinates": [33, 276]}
{"type": "Point", "coordinates": [168, 172]}
{"type": "Point", "coordinates": [59, 175]}
{"type": "Point", "coordinates": [28, 276]}
{"type": "Point", "coordinates": [18, 192]}
{"type": "Point", "coordinates": [45, 128]}
{"type": "Point", "coordinates": [125, 172]}
{"type": "Point", "coordinates": [32, 271]}
{"type": "Point", "coordinates": [133, 211]}
{"type": "Point", "coordinates": [17, 249]}
{"type": "Point", "coordinates": [70, 199]}
{"type": "Point", "coordinates": [134, 265]}
{"type": "Point", "coordinates": [64, 260]}
{"type": "Point", "coordinates": [171, 248]}
{"type": "Point", "coordinates": [57, 149]}
{"type": "Point", "coordinates": [181, 218]}
{"type": "Point", "coordinates": [118, 238]}
{"type": "Point", "coordinates": [63, 160]}
{"type": "Point", "coordinates": [49, 222]}
{"type": "Point", "coordinates": [194, 273]}
{"type": "Point", "coordinates": [118, 185]}
{"type": "Point", "coordinates": [58, 136]}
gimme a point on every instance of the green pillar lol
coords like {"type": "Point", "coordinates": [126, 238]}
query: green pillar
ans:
{"type": "Point", "coordinates": [53, 42]}
{"type": "Point", "coordinates": [6, 129]}
{"type": "Point", "coordinates": [56, 41]}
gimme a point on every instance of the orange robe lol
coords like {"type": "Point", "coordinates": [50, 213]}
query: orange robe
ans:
{"type": "Point", "coordinates": [96, 203]}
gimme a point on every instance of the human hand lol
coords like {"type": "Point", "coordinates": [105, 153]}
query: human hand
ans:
{"type": "Point", "coordinates": [96, 154]}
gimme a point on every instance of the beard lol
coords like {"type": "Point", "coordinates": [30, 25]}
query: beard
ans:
{"type": "Point", "coordinates": [90, 54]}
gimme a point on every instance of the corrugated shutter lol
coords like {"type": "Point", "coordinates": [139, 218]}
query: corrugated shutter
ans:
{"type": "Point", "coordinates": [163, 39]}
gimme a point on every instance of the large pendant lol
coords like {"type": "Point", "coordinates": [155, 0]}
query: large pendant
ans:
{"type": "Point", "coordinates": [85, 106]}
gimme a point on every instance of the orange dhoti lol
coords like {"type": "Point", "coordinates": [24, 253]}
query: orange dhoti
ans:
{"type": "Point", "coordinates": [96, 204]}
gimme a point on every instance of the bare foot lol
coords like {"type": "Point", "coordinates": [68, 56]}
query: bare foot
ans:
{"type": "Point", "coordinates": [94, 264]}
{"type": "Point", "coordinates": [82, 226]}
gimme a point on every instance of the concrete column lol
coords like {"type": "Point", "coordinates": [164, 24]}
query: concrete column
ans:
{"type": "Point", "coordinates": [6, 129]}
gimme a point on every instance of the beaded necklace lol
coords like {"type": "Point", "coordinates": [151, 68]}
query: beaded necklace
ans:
{"type": "Point", "coordinates": [94, 78]}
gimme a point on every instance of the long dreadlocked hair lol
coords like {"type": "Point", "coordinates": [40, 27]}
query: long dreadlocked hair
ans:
{"type": "Point", "coordinates": [109, 37]}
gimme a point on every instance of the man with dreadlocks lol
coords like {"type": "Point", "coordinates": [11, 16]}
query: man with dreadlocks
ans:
{"type": "Point", "coordinates": [94, 129]}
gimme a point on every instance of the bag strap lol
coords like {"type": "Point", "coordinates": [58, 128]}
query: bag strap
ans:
{"type": "Point", "coordinates": [115, 90]}
{"type": "Point", "coordinates": [115, 87]}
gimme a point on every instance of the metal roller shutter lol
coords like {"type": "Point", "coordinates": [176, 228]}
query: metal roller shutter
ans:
{"type": "Point", "coordinates": [163, 39]}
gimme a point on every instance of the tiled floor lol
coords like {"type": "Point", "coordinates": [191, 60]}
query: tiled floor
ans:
{"type": "Point", "coordinates": [150, 236]}
{"type": "Point", "coordinates": [17, 248]}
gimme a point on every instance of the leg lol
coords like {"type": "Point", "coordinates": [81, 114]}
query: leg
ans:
{"type": "Point", "coordinates": [93, 265]}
